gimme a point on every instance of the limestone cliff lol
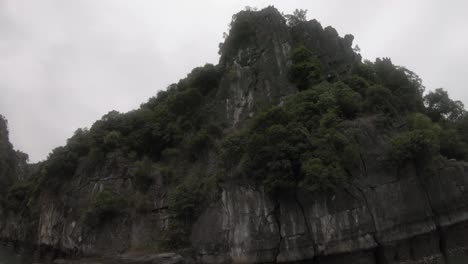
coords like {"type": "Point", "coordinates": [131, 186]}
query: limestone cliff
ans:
{"type": "Point", "coordinates": [97, 204]}
{"type": "Point", "coordinates": [386, 216]}
{"type": "Point", "coordinates": [7, 157]}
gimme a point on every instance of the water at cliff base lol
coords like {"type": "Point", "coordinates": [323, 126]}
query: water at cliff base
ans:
{"type": "Point", "coordinates": [8, 256]}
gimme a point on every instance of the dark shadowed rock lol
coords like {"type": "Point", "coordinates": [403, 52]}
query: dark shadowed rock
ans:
{"type": "Point", "coordinates": [7, 157]}
{"type": "Point", "coordinates": [394, 216]}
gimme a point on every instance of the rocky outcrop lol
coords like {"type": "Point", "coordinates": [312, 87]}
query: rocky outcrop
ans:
{"type": "Point", "coordinates": [7, 157]}
{"type": "Point", "coordinates": [12, 225]}
{"type": "Point", "coordinates": [256, 74]}
{"type": "Point", "coordinates": [63, 222]}
{"type": "Point", "coordinates": [385, 216]}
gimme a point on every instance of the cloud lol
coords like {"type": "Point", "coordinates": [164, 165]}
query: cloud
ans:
{"type": "Point", "coordinates": [63, 64]}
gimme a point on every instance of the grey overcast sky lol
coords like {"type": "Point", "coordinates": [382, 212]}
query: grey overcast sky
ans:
{"type": "Point", "coordinates": [63, 64]}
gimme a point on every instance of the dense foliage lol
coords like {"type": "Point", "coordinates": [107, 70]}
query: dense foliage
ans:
{"type": "Point", "coordinates": [297, 17]}
{"type": "Point", "coordinates": [142, 175]}
{"type": "Point", "coordinates": [300, 143]}
{"type": "Point", "coordinates": [241, 34]}
{"type": "Point", "coordinates": [305, 69]}
{"type": "Point", "coordinates": [106, 206]}
{"type": "Point", "coordinates": [190, 197]}
{"type": "Point", "coordinates": [418, 144]}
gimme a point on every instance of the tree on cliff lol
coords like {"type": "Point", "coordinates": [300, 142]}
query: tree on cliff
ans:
{"type": "Point", "coordinates": [298, 16]}
{"type": "Point", "coordinates": [440, 107]}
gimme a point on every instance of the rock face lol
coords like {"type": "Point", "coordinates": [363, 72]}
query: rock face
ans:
{"type": "Point", "coordinates": [256, 73]}
{"type": "Point", "coordinates": [385, 216]}
{"type": "Point", "coordinates": [11, 226]}
{"type": "Point", "coordinates": [7, 156]}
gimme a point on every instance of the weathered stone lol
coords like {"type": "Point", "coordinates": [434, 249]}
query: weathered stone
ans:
{"type": "Point", "coordinates": [385, 216]}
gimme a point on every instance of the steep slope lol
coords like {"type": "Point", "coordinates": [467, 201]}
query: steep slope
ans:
{"type": "Point", "coordinates": [255, 59]}
{"type": "Point", "coordinates": [384, 216]}
{"type": "Point", "coordinates": [290, 149]}
{"type": "Point", "coordinates": [13, 168]}
{"type": "Point", "coordinates": [7, 157]}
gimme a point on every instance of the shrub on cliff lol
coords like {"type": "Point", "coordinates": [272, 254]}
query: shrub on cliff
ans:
{"type": "Point", "coordinates": [186, 202]}
{"type": "Point", "coordinates": [403, 83]}
{"type": "Point", "coordinates": [112, 140]}
{"type": "Point", "coordinates": [305, 69]}
{"type": "Point", "coordinates": [204, 78]}
{"type": "Point", "coordinates": [185, 103]}
{"type": "Point", "coordinates": [357, 83]}
{"type": "Point", "coordinates": [301, 143]}
{"type": "Point", "coordinates": [142, 175]}
{"type": "Point", "coordinates": [380, 100]}
{"type": "Point", "coordinates": [349, 102]}
{"type": "Point", "coordinates": [452, 145]}
{"type": "Point", "coordinates": [241, 34]}
{"type": "Point", "coordinates": [424, 140]}
{"type": "Point", "coordinates": [419, 144]}
{"type": "Point", "coordinates": [106, 206]}
{"type": "Point", "coordinates": [298, 16]}
{"type": "Point", "coordinates": [232, 149]}
{"type": "Point", "coordinates": [20, 197]}
{"type": "Point", "coordinates": [321, 177]}
{"type": "Point", "coordinates": [440, 108]}
{"type": "Point", "coordinates": [59, 168]}
{"type": "Point", "coordinates": [198, 143]}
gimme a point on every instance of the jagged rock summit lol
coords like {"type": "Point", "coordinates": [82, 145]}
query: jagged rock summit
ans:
{"type": "Point", "coordinates": [256, 54]}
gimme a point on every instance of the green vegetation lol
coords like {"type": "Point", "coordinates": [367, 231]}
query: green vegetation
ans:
{"type": "Point", "coordinates": [452, 145]}
{"type": "Point", "coordinates": [143, 178]}
{"type": "Point", "coordinates": [59, 168]}
{"type": "Point", "coordinates": [403, 84]}
{"type": "Point", "coordinates": [20, 197]}
{"type": "Point", "coordinates": [305, 69]}
{"type": "Point", "coordinates": [164, 122]}
{"type": "Point", "coordinates": [298, 16]}
{"type": "Point", "coordinates": [198, 142]}
{"type": "Point", "coordinates": [300, 144]}
{"type": "Point", "coordinates": [191, 195]}
{"type": "Point", "coordinates": [417, 146]}
{"type": "Point", "coordinates": [440, 108]}
{"type": "Point", "coordinates": [241, 34]}
{"type": "Point", "coordinates": [423, 140]}
{"type": "Point", "coordinates": [380, 100]}
{"type": "Point", "coordinates": [106, 206]}
{"type": "Point", "coordinates": [303, 144]}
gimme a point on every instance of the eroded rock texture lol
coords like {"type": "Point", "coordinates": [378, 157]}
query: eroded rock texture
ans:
{"type": "Point", "coordinates": [384, 216]}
